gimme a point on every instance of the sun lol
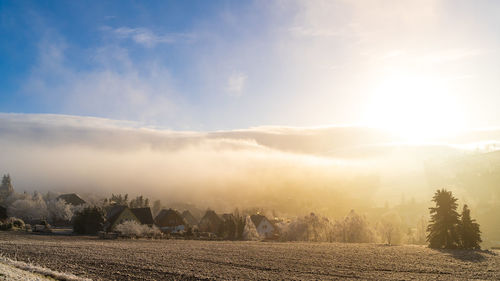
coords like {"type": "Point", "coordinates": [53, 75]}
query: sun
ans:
{"type": "Point", "coordinates": [416, 108]}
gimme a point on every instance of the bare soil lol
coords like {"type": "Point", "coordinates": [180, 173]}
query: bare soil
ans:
{"type": "Point", "coordinates": [195, 260]}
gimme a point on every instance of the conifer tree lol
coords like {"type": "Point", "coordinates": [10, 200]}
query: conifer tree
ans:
{"type": "Point", "coordinates": [7, 184]}
{"type": "Point", "coordinates": [470, 235]}
{"type": "Point", "coordinates": [443, 226]}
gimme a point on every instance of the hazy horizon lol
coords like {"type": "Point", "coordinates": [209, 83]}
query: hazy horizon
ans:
{"type": "Point", "coordinates": [330, 169]}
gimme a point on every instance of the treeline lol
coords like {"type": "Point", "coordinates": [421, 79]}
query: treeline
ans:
{"type": "Point", "coordinates": [353, 228]}
{"type": "Point", "coordinates": [446, 228]}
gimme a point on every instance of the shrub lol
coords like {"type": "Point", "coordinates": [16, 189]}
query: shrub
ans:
{"type": "Point", "coordinates": [59, 211]}
{"type": "Point", "coordinates": [18, 223]}
{"type": "Point", "coordinates": [28, 208]}
{"type": "Point", "coordinates": [134, 229]}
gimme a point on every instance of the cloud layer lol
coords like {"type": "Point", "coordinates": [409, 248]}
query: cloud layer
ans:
{"type": "Point", "coordinates": [285, 168]}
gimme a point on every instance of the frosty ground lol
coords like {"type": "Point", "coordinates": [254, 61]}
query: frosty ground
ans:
{"type": "Point", "coordinates": [194, 260]}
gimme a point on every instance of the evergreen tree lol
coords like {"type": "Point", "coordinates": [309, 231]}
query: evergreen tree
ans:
{"type": "Point", "coordinates": [119, 199]}
{"type": "Point", "coordinates": [89, 221]}
{"type": "Point", "coordinates": [6, 186]}
{"type": "Point", "coordinates": [443, 226]}
{"type": "Point", "coordinates": [469, 231]}
{"type": "Point", "coordinates": [139, 202]}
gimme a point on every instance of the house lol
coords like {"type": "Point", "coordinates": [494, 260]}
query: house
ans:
{"type": "Point", "coordinates": [144, 215]}
{"type": "Point", "coordinates": [72, 199]}
{"type": "Point", "coordinates": [189, 218]}
{"type": "Point", "coordinates": [118, 214]}
{"type": "Point", "coordinates": [264, 226]}
{"type": "Point", "coordinates": [170, 221]}
{"type": "Point", "coordinates": [210, 222]}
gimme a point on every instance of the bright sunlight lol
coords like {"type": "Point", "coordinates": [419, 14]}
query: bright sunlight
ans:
{"type": "Point", "coordinates": [416, 108]}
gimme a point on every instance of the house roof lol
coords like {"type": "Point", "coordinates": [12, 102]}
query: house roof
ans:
{"type": "Point", "coordinates": [210, 222]}
{"type": "Point", "coordinates": [144, 215]}
{"type": "Point", "coordinates": [169, 217]}
{"type": "Point", "coordinates": [190, 219]}
{"type": "Point", "coordinates": [257, 219]}
{"type": "Point", "coordinates": [114, 213]}
{"type": "Point", "coordinates": [211, 216]}
{"type": "Point", "coordinates": [72, 199]}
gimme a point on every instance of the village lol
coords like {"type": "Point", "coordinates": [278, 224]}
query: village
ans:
{"type": "Point", "coordinates": [121, 217]}
{"type": "Point", "coordinates": [117, 217]}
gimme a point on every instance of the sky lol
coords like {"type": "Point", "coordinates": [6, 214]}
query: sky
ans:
{"type": "Point", "coordinates": [413, 67]}
{"type": "Point", "coordinates": [292, 104]}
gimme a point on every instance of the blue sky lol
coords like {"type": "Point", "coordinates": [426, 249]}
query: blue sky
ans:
{"type": "Point", "coordinates": [166, 47]}
{"type": "Point", "coordinates": [213, 65]}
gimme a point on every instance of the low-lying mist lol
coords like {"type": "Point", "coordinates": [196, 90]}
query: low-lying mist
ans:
{"type": "Point", "coordinates": [294, 171]}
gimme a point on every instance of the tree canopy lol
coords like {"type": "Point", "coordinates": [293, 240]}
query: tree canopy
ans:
{"type": "Point", "coordinates": [447, 229]}
{"type": "Point", "coordinates": [443, 226]}
{"type": "Point", "coordinates": [470, 235]}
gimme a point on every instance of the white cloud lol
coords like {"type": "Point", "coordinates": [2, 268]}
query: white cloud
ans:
{"type": "Point", "coordinates": [146, 37]}
{"type": "Point", "coordinates": [115, 87]}
{"type": "Point", "coordinates": [236, 84]}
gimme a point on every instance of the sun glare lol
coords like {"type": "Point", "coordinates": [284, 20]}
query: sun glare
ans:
{"type": "Point", "coordinates": [414, 108]}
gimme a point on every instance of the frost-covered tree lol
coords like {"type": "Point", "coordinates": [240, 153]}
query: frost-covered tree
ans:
{"type": "Point", "coordinates": [119, 199]}
{"type": "Point", "coordinates": [390, 228]}
{"type": "Point", "coordinates": [420, 235]}
{"type": "Point", "coordinates": [24, 209]}
{"type": "Point", "coordinates": [135, 229]}
{"type": "Point", "coordinates": [308, 228]}
{"type": "Point", "coordinates": [50, 196]}
{"type": "Point", "coordinates": [29, 208]}
{"type": "Point", "coordinates": [354, 228]}
{"type": "Point", "coordinates": [14, 197]}
{"type": "Point", "coordinates": [6, 184]}
{"type": "Point", "coordinates": [156, 207]}
{"type": "Point", "coordinates": [59, 210]}
{"type": "Point", "coordinates": [6, 189]}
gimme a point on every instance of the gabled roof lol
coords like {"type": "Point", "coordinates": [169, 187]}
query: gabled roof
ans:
{"type": "Point", "coordinates": [211, 216]}
{"type": "Point", "coordinates": [189, 218]}
{"type": "Point", "coordinates": [169, 218]}
{"type": "Point", "coordinates": [210, 222]}
{"type": "Point", "coordinates": [257, 218]}
{"type": "Point", "coordinates": [144, 215]}
{"type": "Point", "coordinates": [113, 213]}
{"type": "Point", "coordinates": [72, 199]}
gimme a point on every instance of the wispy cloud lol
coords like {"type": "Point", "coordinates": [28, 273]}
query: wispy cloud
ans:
{"type": "Point", "coordinates": [236, 84]}
{"type": "Point", "coordinates": [317, 31]}
{"type": "Point", "coordinates": [147, 37]}
{"type": "Point", "coordinates": [116, 86]}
